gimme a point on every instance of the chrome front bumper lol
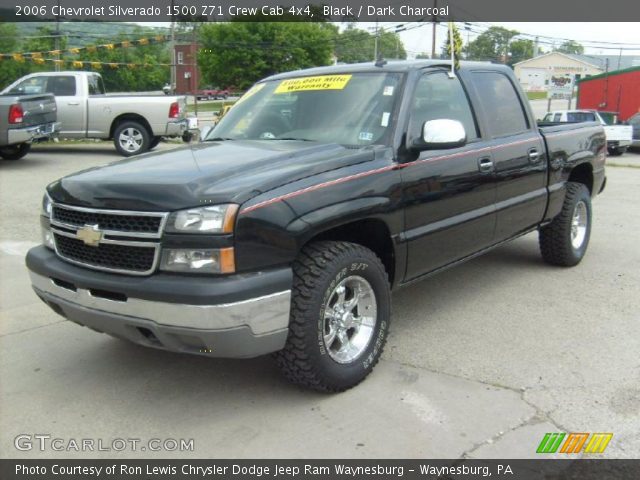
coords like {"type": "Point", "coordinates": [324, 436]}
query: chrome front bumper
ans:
{"type": "Point", "coordinates": [29, 134]}
{"type": "Point", "coordinates": [248, 328]}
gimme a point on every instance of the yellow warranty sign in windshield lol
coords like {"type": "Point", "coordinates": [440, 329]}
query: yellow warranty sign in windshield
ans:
{"type": "Point", "coordinates": [323, 82]}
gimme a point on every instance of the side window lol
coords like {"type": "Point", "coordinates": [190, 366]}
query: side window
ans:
{"type": "Point", "coordinates": [33, 85]}
{"type": "Point", "coordinates": [95, 85]}
{"type": "Point", "coordinates": [62, 85]}
{"type": "Point", "coordinates": [501, 103]}
{"type": "Point", "coordinates": [557, 117]}
{"type": "Point", "coordinates": [439, 97]}
{"type": "Point", "coordinates": [180, 58]}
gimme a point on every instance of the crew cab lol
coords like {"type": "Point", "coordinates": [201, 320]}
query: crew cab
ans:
{"type": "Point", "coordinates": [619, 137]}
{"type": "Point", "coordinates": [286, 229]}
{"type": "Point", "coordinates": [25, 119]}
{"type": "Point", "coordinates": [135, 123]}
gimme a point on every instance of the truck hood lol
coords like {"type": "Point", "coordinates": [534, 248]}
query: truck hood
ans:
{"type": "Point", "coordinates": [211, 172]}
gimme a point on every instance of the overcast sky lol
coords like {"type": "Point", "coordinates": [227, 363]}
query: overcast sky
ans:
{"type": "Point", "coordinates": [419, 39]}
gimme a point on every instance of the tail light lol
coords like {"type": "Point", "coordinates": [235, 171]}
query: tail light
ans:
{"type": "Point", "coordinates": [174, 110]}
{"type": "Point", "coordinates": [16, 114]}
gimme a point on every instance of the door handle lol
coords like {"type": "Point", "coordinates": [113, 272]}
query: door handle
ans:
{"type": "Point", "coordinates": [485, 165]}
{"type": "Point", "coordinates": [73, 103]}
{"type": "Point", "coordinates": [534, 155]}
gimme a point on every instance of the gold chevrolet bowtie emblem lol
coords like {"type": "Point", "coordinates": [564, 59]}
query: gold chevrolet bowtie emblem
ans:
{"type": "Point", "coordinates": [90, 235]}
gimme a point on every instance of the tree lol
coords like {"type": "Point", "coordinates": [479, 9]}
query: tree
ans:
{"type": "Point", "coordinates": [520, 50]}
{"type": "Point", "coordinates": [237, 54]}
{"type": "Point", "coordinates": [457, 43]}
{"type": "Point", "coordinates": [493, 44]}
{"type": "Point", "coordinates": [354, 45]}
{"type": "Point", "coordinates": [10, 69]}
{"type": "Point", "coordinates": [571, 46]}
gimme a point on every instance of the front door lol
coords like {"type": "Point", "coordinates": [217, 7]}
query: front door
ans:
{"type": "Point", "coordinates": [449, 195]}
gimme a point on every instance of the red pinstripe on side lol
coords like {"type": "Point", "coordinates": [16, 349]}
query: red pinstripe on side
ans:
{"type": "Point", "coordinates": [373, 172]}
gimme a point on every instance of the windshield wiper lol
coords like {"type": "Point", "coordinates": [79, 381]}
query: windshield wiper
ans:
{"type": "Point", "coordinates": [218, 139]}
{"type": "Point", "coordinates": [291, 138]}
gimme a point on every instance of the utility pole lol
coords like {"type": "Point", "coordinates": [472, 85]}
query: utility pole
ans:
{"type": "Point", "coordinates": [375, 43]}
{"type": "Point", "coordinates": [620, 58]}
{"type": "Point", "coordinates": [57, 39]}
{"type": "Point", "coordinates": [172, 43]}
{"type": "Point", "coordinates": [467, 27]}
{"type": "Point", "coordinates": [194, 60]}
{"type": "Point", "coordinates": [434, 20]}
{"type": "Point", "coordinates": [536, 47]}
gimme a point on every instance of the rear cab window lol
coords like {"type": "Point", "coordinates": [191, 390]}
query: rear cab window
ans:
{"type": "Point", "coordinates": [501, 103]}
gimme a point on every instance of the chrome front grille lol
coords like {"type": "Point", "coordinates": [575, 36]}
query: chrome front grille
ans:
{"type": "Point", "coordinates": [126, 239]}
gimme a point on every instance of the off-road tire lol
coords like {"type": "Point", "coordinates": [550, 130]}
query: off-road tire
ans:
{"type": "Point", "coordinates": [136, 128]}
{"type": "Point", "coordinates": [15, 152]}
{"type": "Point", "coordinates": [555, 239]}
{"type": "Point", "coordinates": [317, 270]}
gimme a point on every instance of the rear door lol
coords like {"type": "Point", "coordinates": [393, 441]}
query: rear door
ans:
{"type": "Point", "coordinates": [518, 153]}
{"type": "Point", "coordinates": [449, 194]}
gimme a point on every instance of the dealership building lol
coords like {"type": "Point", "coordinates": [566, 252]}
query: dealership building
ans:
{"type": "Point", "coordinates": [534, 74]}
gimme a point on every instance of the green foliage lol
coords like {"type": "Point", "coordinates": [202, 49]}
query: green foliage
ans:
{"type": "Point", "coordinates": [457, 46]}
{"type": "Point", "coordinates": [123, 79]}
{"type": "Point", "coordinates": [520, 50]}
{"type": "Point", "coordinates": [354, 45]}
{"type": "Point", "coordinates": [237, 54]}
{"type": "Point", "coordinates": [572, 47]}
{"type": "Point", "coordinates": [492, 44]}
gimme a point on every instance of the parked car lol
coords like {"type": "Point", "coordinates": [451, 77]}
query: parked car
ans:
{"type": "Point", "coordinates": [136, 123]}
{"type": "Point", "coordinates": [23, 120]}
{"type": "Point", "coordinates": [619, 137]}
{"type": "Point", "coordinates": [634, 121]}
{"type": "Point", "coordinates": [212, 93]}
{"type": "Point", "coordinates": [318, 193]}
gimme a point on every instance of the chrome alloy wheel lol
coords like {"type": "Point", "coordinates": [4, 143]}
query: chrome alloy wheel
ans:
{"type": "Point", "coordinates": [130, 139]}
{"type": "Point", "coordinates": [579, 225]}
{"type": "Point", "coordinates": [350, 318]}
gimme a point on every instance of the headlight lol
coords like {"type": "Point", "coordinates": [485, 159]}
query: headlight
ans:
{"type": "Point", "coordinates": [46, 205]}
{"type": "Point", "coordinates": [198, 261]}
{"type": "Point", "coordinates": [214, 219]}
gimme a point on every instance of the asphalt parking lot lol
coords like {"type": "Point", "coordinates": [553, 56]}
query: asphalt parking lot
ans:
{"type": "Point", "coordinates": [482, 360]}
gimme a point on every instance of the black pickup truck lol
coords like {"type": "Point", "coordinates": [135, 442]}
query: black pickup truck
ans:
{"type": "Point", "coordinates": [285, 230]}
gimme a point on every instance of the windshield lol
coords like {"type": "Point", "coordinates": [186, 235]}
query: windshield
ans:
{"type": "Point", "coordinates": [350, 109]}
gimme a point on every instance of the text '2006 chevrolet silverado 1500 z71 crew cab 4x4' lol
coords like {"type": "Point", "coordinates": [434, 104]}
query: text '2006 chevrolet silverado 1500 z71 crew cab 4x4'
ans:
{"type": "Point", "coordinates": [318, 193]}
{"type": "Point", "coordinates": [136, 123]}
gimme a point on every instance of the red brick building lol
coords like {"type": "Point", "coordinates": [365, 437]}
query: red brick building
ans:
{"type": "Point", "coordinates": [187, 71]}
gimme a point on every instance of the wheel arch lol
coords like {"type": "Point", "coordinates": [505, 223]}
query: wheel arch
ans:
{"type": "Point", "coordinates": [582, 173]}
{"type": "Point", "coordinates": [134, 117]}
{"type": "Point", "coordinates": [370, 231]}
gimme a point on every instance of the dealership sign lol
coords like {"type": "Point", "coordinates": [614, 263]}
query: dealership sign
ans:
{"type": "Point", "coordinates": [560, 85]}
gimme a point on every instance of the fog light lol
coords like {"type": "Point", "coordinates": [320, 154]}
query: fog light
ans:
{"type": "Point", "coordinates": [198, 261]}
{"type": "Point", "coordinates": [47, 238]}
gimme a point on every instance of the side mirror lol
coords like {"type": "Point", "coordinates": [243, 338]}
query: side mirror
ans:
{"type": "Point", "coordinates": [204, 132]}
{"type": "Point", "coordinates": [441, 133]}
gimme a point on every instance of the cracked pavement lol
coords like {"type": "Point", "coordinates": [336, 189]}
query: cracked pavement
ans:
{"type": "Point", "coordinates": [482, 360]}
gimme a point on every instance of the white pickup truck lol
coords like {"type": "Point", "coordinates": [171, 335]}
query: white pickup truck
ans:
{"type": "Point", "coordinates": [136, 123]}
{"type": "Point", "coordinates": [619, 137]}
